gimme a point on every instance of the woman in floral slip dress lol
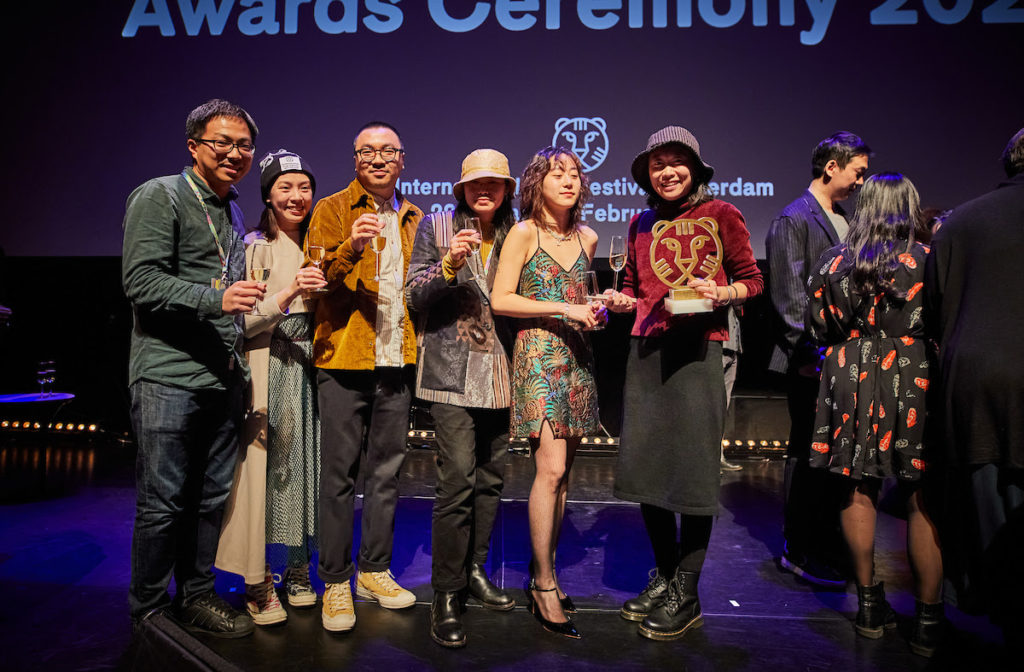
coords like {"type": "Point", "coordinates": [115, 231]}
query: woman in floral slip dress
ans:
{"type": "Point", "coordinates": [554, 399]}
{"type": "Point", "coordinates": [865, 305]}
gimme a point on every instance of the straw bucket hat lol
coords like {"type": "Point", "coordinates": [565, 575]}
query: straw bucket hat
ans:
{"type": "Point", "coordinates": [483, 163]}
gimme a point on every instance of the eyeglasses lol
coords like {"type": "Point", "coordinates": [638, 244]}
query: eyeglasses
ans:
{"type": "Point", "coordinates": [388, 153]}
{"type": "Point", "coordinates": [226, 146]}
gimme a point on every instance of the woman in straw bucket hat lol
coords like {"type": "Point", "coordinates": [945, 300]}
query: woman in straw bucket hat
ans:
{"type": "Point", "coordinates": [674, 395]}
{"type": "Point", "coordinates": [463, 372]}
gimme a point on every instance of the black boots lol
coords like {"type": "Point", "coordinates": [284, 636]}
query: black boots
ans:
{"type": "Point", "coordinates": [928, 625]}
{"type": "Point", "coordinates": [487, 593]}
{"type": "Point", "coordinates": [874, 615]}
{"type": "Point", "coordinates": [678, 612]}
{"type": "Point", "coordinates": [446, 620]}
{"type": "Point", "coordinates": [637, 608]}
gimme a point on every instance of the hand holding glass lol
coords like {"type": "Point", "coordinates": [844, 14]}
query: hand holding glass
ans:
{"type": "Point", "coordinates": [259, 268]}
{"type": "Point", "coordinates": [316, 252]}
{"type": "Point", "coordinates": [473, 224]}
{"type": "Point", "coordinates": [592, 294]}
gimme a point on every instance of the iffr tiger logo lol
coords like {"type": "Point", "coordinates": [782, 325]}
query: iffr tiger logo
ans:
{"type": "Point", "coordinates": [586, 137]}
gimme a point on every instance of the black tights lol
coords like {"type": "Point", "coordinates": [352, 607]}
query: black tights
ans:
{"type": "Point", "coordinates": [693, 535]}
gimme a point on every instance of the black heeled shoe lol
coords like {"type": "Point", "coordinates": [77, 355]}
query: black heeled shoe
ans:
{"type": "Point", "coordinates": [567, 629]}
{"type": "Point", "coordinates": [566, 602]}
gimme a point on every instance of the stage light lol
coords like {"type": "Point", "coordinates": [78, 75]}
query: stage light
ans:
{"type": "Point", "coordinates": [423, 435]}
{"type": "Point", "coordinates": [59, 426]}
{"type": "Point", "coordinates": [81, 428]}
{"type": "Point", "coordinates": [5, 424]}
{"type": "Point", "coordinates": [14, 424]}
{"type": "Point", "coordinates": [597, 440]}
{"type": "Point", "coordinates": [36, 425]}
{"type": "Point", "coordinates": [777, 444]}
{"type": "Point", "coordinates": [412, 433]}
{"type": "Point", "coordinates": [92, 428]}
{"type": "Point", "coordinates": [725, 443]}
{"type": "Point", "coordinates": [764, 443]}
{"type": "Point", "coordinates": [751, 444]}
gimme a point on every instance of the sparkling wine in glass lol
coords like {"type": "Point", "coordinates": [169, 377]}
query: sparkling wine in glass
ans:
{"type": "Point", "coordinates": [473, 224]}
{"type": "Point", "coordinates": [316, 252]}
{"type": "Point", "coordinates": [617, 258]}
{"type": "Point", "coordinates": [259, 268]}
{"type": "Point", "coordinates": [592, 292]}
{"type": "Point", "coordinates": [377, 244]}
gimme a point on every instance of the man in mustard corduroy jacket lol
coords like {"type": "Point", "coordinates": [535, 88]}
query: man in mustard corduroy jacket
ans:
{"type": "Point", "coordinates": [365, 351]}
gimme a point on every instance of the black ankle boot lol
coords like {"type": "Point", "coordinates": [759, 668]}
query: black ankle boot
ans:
{"type": "Point", "coordinates": [678, 612]}
{"type": "Point", "coordinates": [489, 594]}
{"type": "Point", "coordinates": [637, 608]}
{"type": "Point", "coordinates": [874, 615]}
{"type": "Point", "coordinates": [928, 626]}
{"type": "Point", "coordinates": [446, 620]}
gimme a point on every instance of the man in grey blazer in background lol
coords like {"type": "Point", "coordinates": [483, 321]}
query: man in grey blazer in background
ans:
{"type": "Point", "coordinates": [804, 229]}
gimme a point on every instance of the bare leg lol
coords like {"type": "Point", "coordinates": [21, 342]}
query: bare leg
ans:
{"type": "Point", "coordinates": [923, 551]}
{"type": "Point", "coordinates": [858, 522]}
{"type": "Point", "coordinates": [548, 487]}
{"type": "Point", "coordinates": [563, 495]}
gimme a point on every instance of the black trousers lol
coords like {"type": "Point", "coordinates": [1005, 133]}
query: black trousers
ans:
{"type": "Point", "coordinates": [353, 404]}
{"type": "Point", "coordinates": [811, 500]}
{"type": "Point", "coordinates": [472, 444]}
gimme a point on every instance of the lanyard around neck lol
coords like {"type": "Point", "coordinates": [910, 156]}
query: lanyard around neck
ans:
{"type": "Point", "coordinates": [224, 257]}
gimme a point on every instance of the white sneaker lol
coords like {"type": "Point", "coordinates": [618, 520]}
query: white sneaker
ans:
{"type": "Point", "coordinates": [381, 586]}
{"type": "Point", "coordinates": [338, 613]}
{"type": "Point", "coordinates": [262, 602]}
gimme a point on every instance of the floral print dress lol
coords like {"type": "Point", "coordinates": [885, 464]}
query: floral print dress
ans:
{"type": "Point", "coordinates": [875, 372]}
{"type": "Point", "coordinates": [552, 363]}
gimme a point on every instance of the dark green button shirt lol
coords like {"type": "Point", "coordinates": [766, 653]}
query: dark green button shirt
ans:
{"type": "Point", "coordinates": [181, 336]}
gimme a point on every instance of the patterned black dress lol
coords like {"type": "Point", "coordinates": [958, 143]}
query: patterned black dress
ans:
{"type": "Point", "coordinates": [871, 401]}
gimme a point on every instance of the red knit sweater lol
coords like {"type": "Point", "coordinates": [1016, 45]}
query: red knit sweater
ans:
{"type": "Point", "coordinates": [641, 282]}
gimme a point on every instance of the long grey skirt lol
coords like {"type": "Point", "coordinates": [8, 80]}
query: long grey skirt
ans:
{"type": "Point", "coordinates": [673, 420]}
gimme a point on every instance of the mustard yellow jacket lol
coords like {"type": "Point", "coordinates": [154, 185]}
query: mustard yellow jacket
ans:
{"type": "Point", "coordinates": [346, 316]}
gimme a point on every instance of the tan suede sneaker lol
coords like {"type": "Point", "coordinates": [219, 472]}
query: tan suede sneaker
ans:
{"type": "Point", "coordinates": [381, 586]}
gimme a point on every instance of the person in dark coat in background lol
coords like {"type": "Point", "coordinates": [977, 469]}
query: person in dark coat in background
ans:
{"type": "Point", "coordinates": [804, 229]}
{"type": "Point", "coordinates": [973, 284]}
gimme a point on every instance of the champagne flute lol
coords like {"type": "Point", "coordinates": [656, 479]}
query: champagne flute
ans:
{"type": "Point", "coordinates": [378, 242]}
{"type": "Point", "coordinates": [316, 252]}
{"type": "Point", "coordinates": [592, 293]}
{"type": "Point", "coordinates": [259, 268]}
{"type": "Point", "coordinates": [617, 258]}
{"type": "Point", "coordinates": [473, 224]}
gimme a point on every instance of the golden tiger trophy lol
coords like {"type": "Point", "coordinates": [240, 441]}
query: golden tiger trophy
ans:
{"type": "Point", "coordinates": [682, 250]}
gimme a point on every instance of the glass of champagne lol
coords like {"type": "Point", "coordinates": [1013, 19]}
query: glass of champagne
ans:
{"type": "Point", "coordinates": [592, 293]}
{"type": "Point", "coordinates": [259, 268]}
{"type": "Point", "coordinates": [617, 258]}
{"type": "Point", "coordinates": [378, 242]}
{"type": "Point", "coordinates": [316, 252]}
{"type": "Point", "coordinates": [473, 224]}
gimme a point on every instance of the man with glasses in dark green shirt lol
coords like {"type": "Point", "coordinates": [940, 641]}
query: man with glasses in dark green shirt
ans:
{"type": "Point", "coordinates": [183, 269]}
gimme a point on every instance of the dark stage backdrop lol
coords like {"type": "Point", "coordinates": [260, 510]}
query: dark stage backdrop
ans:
{"type": "Point", "coordinates": [97, 94]}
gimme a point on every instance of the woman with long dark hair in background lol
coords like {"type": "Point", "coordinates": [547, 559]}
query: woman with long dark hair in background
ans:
{"type": "Point", "coordinates": [462, 370]}
{"type": "Point", "coordinates": [554, 399]}
{"type": "Point", "coordinates": [866, 305]}
{"type": "Point", "coordinates": [270, 519]}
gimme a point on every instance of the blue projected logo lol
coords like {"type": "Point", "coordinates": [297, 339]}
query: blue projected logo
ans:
{"type": "Point", "coordinates": [586, 136]}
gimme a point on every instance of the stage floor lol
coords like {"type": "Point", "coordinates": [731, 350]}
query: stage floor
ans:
{"type": "Point", "coordinates": [64, 567]}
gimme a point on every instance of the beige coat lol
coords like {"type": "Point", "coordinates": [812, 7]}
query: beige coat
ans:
{"type": "Point", "coordinates": [242, 547]}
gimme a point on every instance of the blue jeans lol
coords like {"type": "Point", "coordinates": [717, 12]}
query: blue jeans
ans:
{"type": "Point", "coordinates": [187, 443]}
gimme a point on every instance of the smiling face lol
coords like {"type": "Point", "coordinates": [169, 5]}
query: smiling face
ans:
{"type": "Point", "coordinates": [842, 182]}
{"type": "Point", "coordinates": [220, 170]}
{"type": "Point", "coordinates": [672, 170]}
{"type": "Point", "coordinates": [291, 198]}
{"type": "Point", "coordinates": [377, 175]}
{"type": "Point", "coordinates": [484, 196]}
{"type": "Point", "coordinates": [561, 186]}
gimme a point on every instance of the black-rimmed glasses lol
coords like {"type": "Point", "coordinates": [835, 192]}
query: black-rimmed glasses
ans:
{"type": "Point", "coordinates": [226, 146]}
{"type": "Point", "coordinates": [387, 153]}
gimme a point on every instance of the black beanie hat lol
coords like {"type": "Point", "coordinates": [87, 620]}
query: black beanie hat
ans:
{"type": "Point", "coordinates": [282, 161]}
